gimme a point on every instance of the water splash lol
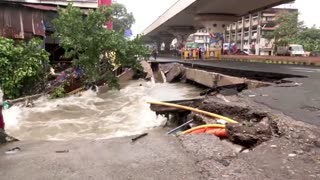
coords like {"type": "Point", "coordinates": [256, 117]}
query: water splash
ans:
{"type": "Point", "coordinates": [113, 114]}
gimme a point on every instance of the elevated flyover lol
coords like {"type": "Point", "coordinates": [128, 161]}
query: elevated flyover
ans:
{"type": "Point", "coordinates": [186, 16]}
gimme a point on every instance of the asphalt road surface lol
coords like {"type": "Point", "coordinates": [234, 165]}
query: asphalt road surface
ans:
{"type": "Point", "coordinates": [302, 102]}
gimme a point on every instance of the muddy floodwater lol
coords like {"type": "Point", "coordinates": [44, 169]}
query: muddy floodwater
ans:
{"type": "Point", "coordinates": [113, 114]}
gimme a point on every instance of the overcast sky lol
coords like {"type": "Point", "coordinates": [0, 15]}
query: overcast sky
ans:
{"type": "Point", "coordinates": [146, 11]}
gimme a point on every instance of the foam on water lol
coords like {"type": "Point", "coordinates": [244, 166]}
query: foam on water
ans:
{"type": "Point", "coordinates": [113, 114]}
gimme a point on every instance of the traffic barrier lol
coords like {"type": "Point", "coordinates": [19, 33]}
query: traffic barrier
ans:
{"type": "Point", "coordinates": [213, 53]}
{"type": "Point", "coordinates": [190, 54]}
{"type": "Point", "coordinates": [195, 54]}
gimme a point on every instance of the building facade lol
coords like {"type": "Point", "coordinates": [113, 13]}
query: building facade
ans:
{"type": "Point", "coordinates": [202, 38]}
{"type": "Point", "coordinates": [249, 30]}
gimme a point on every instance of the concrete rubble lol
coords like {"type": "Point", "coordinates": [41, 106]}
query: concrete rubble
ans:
{"type": "Point", "coordinates": [175, 72]}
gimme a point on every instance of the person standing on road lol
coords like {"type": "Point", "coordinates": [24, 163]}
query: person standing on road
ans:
{"type": "Point", "coordinates": [200, 51]}
{"type": "Point", "coordinates": [155, 53]}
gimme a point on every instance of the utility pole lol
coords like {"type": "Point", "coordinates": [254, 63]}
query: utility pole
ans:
{"type": "Point", "coordinates": [106, 3]}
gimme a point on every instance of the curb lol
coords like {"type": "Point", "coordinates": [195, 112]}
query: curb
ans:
{"type": "Point", "coordinates": [267, 61]}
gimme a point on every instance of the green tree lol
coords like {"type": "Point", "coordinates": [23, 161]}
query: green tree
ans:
{"type": "Point", "coordinates": [309, 38]}
{"type": "Point", "coordinates": [121, 19]}
{"type": "Point", "coordinates": [20, 65]}
{"type": "Point", "coordinates": [288, 27]}
{"type": "Point", "coordinates": [94, 48]}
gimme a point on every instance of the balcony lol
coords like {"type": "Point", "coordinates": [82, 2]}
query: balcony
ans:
{"type": "Point", "coordinates": [247, 24]}
{"type": "Point", "coordinates": [234, 25]}
{"type": "Point", "coordinates": [269, 14]}
{"type": "Point", "coordinates": [255, 22]}
{"type": "Point", "coordinates": [200, 41]}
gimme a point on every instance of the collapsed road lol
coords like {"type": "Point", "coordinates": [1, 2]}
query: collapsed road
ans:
{"type": "Point", "coordinates": [299, 99]}
{"type": "Point", "coordinates": [282, 147]}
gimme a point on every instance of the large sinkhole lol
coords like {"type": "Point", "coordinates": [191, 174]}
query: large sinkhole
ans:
{"type": "Point", "coordinates": [254, 127]}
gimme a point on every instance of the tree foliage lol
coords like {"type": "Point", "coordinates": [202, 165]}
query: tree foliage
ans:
{"type": "Point", "coordinates": [121, 19]}
{"type": "Point", "coordinates": [20, 65]}
{"type": "Point", "coordinates": [310, 39]}
{"type": "Point", "coordinates": [291, 30]}
{"type": "Point", "coordinates": [287, 29]}
{"type": "Point", "coordinates": [94, 48]}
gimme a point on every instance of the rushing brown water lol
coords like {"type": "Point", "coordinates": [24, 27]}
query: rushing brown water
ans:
{"type": "Point", "coordinates": [113, 114]}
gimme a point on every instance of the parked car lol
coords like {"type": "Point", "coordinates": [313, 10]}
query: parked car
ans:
{"type": "Point", "coordinates": [291, 50]}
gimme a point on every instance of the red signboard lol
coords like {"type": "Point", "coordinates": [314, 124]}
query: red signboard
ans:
{"type": "Point", "coordinates": [107, 3]}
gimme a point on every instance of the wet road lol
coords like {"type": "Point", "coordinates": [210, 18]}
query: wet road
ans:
{"type": "Point", "coordinates": [301, 102]}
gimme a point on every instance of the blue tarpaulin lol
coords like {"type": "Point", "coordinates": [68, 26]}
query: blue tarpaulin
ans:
{"type": "Point", "coordinates": [128, 33]}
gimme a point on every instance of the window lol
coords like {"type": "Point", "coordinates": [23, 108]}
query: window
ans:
{"type": "Point", "coordinates": [214, 25]}
{"type": "Point", "coordinates": [223, 25]}
{"type": "Point", "coordinates": [269, 19]}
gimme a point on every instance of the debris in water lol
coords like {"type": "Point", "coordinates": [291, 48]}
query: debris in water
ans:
{"type": "Point", "coordinates": [63, 151]}
{"type": "Point", "coordinates": [292, 155]}
{"type": "Point", "coordinates": [13, 150]}
{"type": "Point", "coordinates": [139, 137]}
{"type": "Point", "coordinates": [10, 138]}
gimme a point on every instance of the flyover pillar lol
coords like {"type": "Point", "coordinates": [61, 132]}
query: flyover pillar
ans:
{"type": "Point", "coordinates": [181, 33]}
{"type": "Point", "coordinates": [167, 45]}
{"type": "Point", "coordinates": [181, 38]}
{"type": "Point", "coordinates": [216, 25]}
{"type": "Point", "coordinates": [158, 43]}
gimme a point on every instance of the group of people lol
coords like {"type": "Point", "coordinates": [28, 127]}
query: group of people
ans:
{"type": "Point", "coordinates": [230, 49]}
{"type": "Point", "coordinates": [193, 53]}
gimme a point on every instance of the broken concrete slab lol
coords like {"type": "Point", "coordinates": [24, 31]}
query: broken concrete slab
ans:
{"type": "Point", "coordinates": [202, 77]}
{"type": "Point", "coordinates": [175, 72]}
{"type": "Point", "coordinates": [211, 79]}
{"type": "Point", "coordinates": [147, 69]}
{"type": "Point", "coordinates": [126, 75]}
{"type": "Point", "coordinates": [167, 67]}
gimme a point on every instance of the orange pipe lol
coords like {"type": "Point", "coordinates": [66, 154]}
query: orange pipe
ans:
{"type": "Point", "coordinates": [222, 133]}
{"type": "Point", "coordinates": [219, 132]}
{"type": "Point", "coordinates": [212, 126]}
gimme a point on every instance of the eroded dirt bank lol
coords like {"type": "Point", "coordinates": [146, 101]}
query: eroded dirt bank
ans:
{"type": "Point", "coordinates": [282, 147]}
